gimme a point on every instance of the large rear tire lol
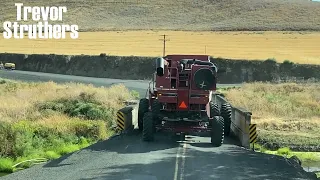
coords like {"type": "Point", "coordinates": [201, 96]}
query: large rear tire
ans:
{"type": "Point", "coordinates": [217, 132]}
{"type": "Point", "coordinates": [143, 108]}
{"type": "Point", "coordinates": [226, 113]}
{"type": "Point", "coordinates": [148, 127]}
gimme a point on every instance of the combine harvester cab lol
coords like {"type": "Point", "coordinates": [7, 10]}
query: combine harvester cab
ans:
{"type": "Point", "coordinates": [180, 99]}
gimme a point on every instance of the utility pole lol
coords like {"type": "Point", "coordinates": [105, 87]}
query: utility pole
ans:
{"type": "Point", "coordinates": [164, 44]}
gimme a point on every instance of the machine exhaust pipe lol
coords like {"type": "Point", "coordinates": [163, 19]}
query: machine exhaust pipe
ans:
{"type": "Point", "coordinates": [160, 62]}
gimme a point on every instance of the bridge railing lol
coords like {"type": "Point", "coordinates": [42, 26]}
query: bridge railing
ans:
{"type": "Point", "coordinates": [240, 121]}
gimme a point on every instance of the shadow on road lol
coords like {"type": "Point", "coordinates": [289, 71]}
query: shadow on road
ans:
{"type": "Point", "coordinates": [56, 162]}
{"type": "Point", "coordinates": [224, 163]}
{"type": "Point", "coordinates": [201, 161]}
{"type": "Point", "coordinates": [133, 143]}
{"type": "Point", "coordinates": [195, 141]}
{"type": "Point", "coordinates": [127, 157]}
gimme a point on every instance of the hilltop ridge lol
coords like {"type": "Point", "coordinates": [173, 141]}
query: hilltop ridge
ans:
{"type": "Point", "coordinates": [217, 15]}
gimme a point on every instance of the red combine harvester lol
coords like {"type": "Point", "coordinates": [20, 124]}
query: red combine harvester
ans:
{"type": "Point", "coordinates": [180, 99]}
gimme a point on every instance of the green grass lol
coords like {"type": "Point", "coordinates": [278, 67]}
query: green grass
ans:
{"type": "Point", "coordinates": [8, 165]}
{"type": "Point", "coordinates": [195, 15]}
{"type": "Point", "coordinates": [305, 157]}
{"type": "Point", "coordinates": [318, 175]}
{"type": "Point", "coordinates": [25, 140]}
{"type": "Point", "coordinates": [52, 155]}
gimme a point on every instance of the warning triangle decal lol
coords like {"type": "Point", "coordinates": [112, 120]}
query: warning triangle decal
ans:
{"type": "Point", "coordinates": [183, 105]}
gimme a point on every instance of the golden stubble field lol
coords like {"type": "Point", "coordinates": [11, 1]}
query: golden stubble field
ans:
{"type": "Point", "coordinates": [299, 47]}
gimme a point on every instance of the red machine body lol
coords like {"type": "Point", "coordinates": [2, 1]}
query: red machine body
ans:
{"type": "Point", "coordinates": [182, 94]}
{"type": "Point", "coordinates": [180, 98]}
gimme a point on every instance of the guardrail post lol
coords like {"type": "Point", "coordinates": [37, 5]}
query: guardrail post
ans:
{"type": "Point", "coordinates": [253, 134]}
{"type": "Point", "coordinates": [124, 119]}
{"type": "Point", "coordinates": [127, 117]}
{"type": "Point", "coordinates": [120, 120]}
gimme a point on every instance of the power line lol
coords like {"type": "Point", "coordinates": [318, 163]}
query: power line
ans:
{"type": "Point", "coordinates": [164, 44]}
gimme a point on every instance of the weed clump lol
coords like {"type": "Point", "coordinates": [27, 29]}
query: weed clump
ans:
{"type": "Point", "coordinates": [77, 108]}
{"type": "Point", "coordinates": [284, 151]}
{"type": "Point", "coordinates": [6, 165]}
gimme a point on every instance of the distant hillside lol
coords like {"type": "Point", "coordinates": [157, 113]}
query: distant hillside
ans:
{"type": "Point", "coordinates": [93, 15]}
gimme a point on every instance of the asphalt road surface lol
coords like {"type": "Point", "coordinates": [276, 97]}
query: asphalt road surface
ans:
{"type": "Point", "coordinates": [137, 85]}
{"type": "Point", "coordinates": [127, 157]}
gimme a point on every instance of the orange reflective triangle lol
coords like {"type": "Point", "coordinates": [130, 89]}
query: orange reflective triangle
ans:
{"type": "Point", "coordinates": [183, 105]}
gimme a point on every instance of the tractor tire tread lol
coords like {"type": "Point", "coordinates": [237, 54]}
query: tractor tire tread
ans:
{"type": "Point", "coordinates": [148, 130]}
{"type": "Point", "coordinates": [214, 109]}
{"type": "Point", "coordinates": [226, 113]}
{"type": "Point", "coordinates": [143, 108]}
{"type": "Point", "coordinates": [155, 108]}
{"type": "Point", "coordinates": [217, 132]}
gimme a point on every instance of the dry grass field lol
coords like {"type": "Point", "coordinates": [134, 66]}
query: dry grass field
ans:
{"type": "Point", "coordinates": [286, 114]}
{"type": "Point", "coordinates": [20, 100]}
{"type": "Point", "coordinates": [299, 47]}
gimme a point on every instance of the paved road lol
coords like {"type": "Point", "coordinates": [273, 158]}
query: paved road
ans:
{"type": "Point", "coordinates": [126, 157]}
{"type": "Point", "coordinates": [137, 85]}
